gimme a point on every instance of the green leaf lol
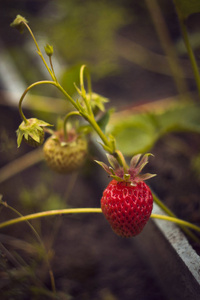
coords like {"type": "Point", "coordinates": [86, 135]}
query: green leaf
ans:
{"type": "Point", "coordinates": [135, 134]}
{"type": "Point", "coordinates": [185, 8]}
{"type": "Point", "coordinates": [138, 133]}
{"type": "Point", "coordinates": [97, 101]}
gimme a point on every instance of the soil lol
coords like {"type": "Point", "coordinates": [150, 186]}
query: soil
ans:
{"type": "Point", "coordinates": [88, 260]}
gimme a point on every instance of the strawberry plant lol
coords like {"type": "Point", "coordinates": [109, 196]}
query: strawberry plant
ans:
{"type": "Point", "coordinates": [127, 201]}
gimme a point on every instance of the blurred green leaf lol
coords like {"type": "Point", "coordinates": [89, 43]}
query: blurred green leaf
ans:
{"type": "Point", "coordinates": [86, 33]}
{"type": "Point", "coordinates": [69, 77]}
{"type": "Point", "coordinates": [138, 133]}
{"type": "Point", "coordinates": [186, 8]}
{"type": "Point", "coordinates": [103, 121]}
{"type": "Point", "coordinates": [135, 134]}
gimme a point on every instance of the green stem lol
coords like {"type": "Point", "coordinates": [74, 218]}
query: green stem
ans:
{"type": "Point", "coordinates": [176, 220]}
{"type": "Point", "coordinates": [119, 156]}
{"type": "Point", "coordinates": [73, 113]}
{"type": "Point", "coordinates": [171, 214]}
{"type": "Point", "coordinates": [26, 91]}
{"type": "Point", "coordinates": [100, 133]}
{"type": "Point", "coordinates": [52, 68]}
{"type": "Point", "coordinates": [50, 213]}
{"type": "Point", "coordinates": [190, 52]}
{"type": "Point", "coordinates": [39, 51]}
{"type": "Point", "coordinates": [39, 83]}
{"type": "Point", "coordinates": [40, 242]}
{"type": "Point", "coordinates": [83, 92]}
{"type": "Point", "coordinates": [88, 210]}
{"type": "Point", "coordinates": [66, 95]}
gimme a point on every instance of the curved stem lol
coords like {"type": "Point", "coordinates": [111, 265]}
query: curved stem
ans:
{"type": "Point", "coordinates": [40, 242]}
{"type": "Point", "coordinates": [82, 70]}
{"type": "Point", "coordinates": [50, 213]}
{"type": "Point", "coordinates": [171, 214]}
{"type": "Point", "coordinates": [89, 210]}
{"type": "Point", "coordinates": [26, 91]}
{"type": "Point", "coordinates": [73, 113]}
{"type": "Point", "coordinates": [39, 83]}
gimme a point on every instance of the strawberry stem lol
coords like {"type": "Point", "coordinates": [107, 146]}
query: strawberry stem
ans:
{"type": "Point", "coordinates": [73, 113]}
{"type": "Point", "coordinates": [176, 220]}
{"type": "Point", "coordinates": [39, 51]}
{"type": "Point", "coordinates": [88, 210]}
{"type": "Point", "coordinates": [40, 242]}
{"type": "Point", "coordinates": [49, 213]}
{"type": "Point", "coordinates": [120, 158]}
{"type": "Point", "coordinates": [171, 214]}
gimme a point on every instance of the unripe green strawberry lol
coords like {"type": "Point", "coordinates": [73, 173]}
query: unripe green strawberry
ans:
{"type": "Point", "coordinates": [127, 202]}
{"type": "Point", "coordinates": [33, 143]}
{"type": "Point", "coordinates": [127, 208]}
{"type": "Point", "coordinates": [65, 156]}
{"type": "Point", "coordinates": [32, 132]}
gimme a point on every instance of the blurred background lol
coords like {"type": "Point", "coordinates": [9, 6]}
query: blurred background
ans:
{"type": "Point", "coordinates": [116, 39]}
{"type": "Point", "coordinates": [138, 61]}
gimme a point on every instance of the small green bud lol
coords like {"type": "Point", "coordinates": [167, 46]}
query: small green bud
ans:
{"type": "Point", "coordinates": [48, 49]}
{"type": "Point", "coordinates": [18, 23]}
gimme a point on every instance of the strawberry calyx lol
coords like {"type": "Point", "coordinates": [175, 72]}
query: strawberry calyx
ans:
{"type": "Point", "coordinates": [64, 140]}
{"type": "Point", "coordinates": [129, 174]}
{"type": "Point", "coordinates": [32, 131]}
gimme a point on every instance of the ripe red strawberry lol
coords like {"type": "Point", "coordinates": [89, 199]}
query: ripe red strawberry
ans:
{"type": "Point", "coordinates": [127, 202]}
{"type": "Point", "coordinates": [65, 156]}
{"type": "Point", "coordinates": [127, 208]}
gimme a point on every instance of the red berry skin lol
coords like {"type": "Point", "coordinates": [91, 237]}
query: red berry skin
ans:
{"type": "Point", "coordinates": [127, 208]}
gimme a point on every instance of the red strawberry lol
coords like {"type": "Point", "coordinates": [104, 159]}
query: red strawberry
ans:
{"type": "Point", "coordinates": [127, 208]}
{"type": "Point", "coordinates": [127, 201]}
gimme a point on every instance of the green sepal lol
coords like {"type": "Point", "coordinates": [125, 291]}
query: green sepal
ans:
{"type": "Point", "coordinates": [112, 161]}
{"type": "Point", "coordinates": [33, 128]}
{"type": "Point", "coordinates": [96, 101]}
{"type": "Point", "coordinates": [142, 163]}
{"type": "Point", "coordinates": [104, 166]}
{"type": "Point", "coordinates": [18, 23]}
{"type": "Point", "coordinates": [132, 174]}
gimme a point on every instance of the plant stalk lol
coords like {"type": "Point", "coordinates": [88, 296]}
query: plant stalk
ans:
{"type": "Point", "coordinates": [88, 210]}
{"type": "Point", "coordinates": [190, 52]}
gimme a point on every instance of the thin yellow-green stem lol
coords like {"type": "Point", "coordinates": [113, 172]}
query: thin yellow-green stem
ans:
{"type": "Point", "coordinates": [168, 47]}
{"type": "Point", "coordinates": [40, 242]}
{"type": "Point", "coordinates": [190, 52]}
{"type": "Point", "coordinates": [83, 92]}
{"type": "Point", "coordinates": [50, 213]}
{"type": "Point", "coordinates": [52, 68]}
{"type": "Point", "coordinates": [39, 51]}
{"type": "Point", "coordinates": [100, 133]}
{"type": "Point", "coordinates": [72, 113]}
{"type": "Point", "coordinates": [27, 90]}
{"type": "Point", "coordinates": [171, 214]}
{"type": "Point", "coordinates": [89, 210]}
{"type": "Point", "coordinates": [66, 95]}
{"type": "Point", "coordinates": [176, 220]}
